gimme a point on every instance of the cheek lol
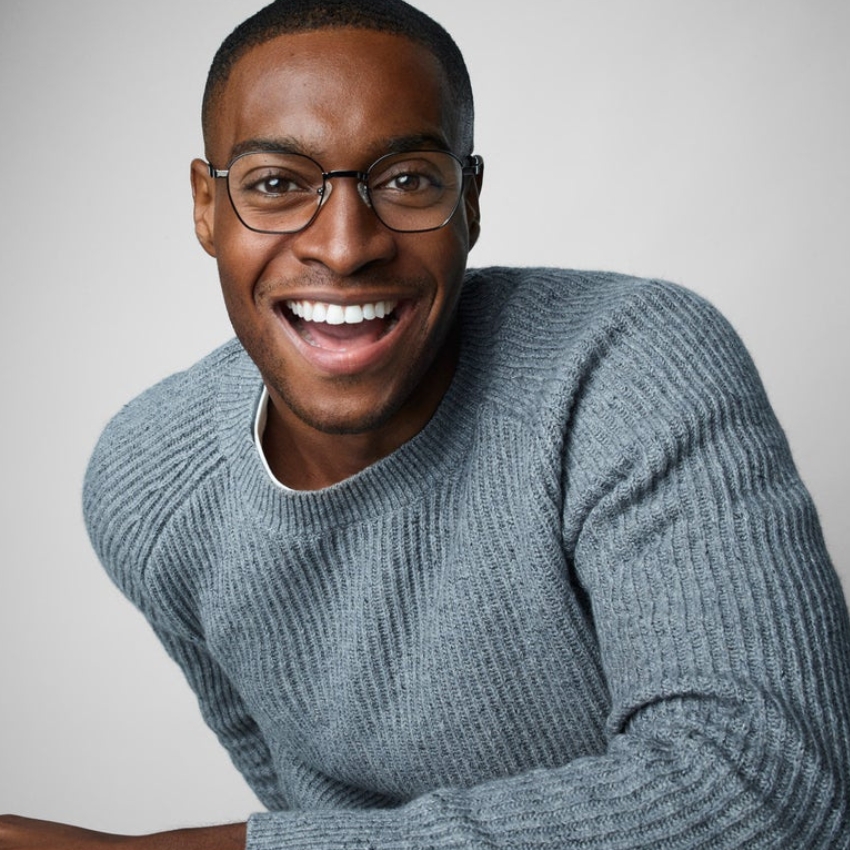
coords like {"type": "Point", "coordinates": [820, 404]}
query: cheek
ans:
{"type": "Point", "coordinates": [456, 239]}
{"type": "Point", "coordinates": [448, 258]}
{"type": "Point", "coordinates": [238, 275]}
{"type": "Point", "coordinates": [244, 260]}
{"type": "Point", "coordinates": [230, 291]}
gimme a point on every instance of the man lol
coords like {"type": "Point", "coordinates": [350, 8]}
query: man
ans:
{"type": "Point", "coordinates": [453, 559]}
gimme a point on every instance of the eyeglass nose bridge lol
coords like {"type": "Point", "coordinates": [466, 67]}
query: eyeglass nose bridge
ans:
{"type": "Point", "coordinates": [362, 186]}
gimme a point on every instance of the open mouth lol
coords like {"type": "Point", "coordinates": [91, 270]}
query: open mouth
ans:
{"type": "Point", "coordinates": [341, 327]}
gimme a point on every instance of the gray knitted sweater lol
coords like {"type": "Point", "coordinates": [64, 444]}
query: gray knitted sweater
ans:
{"type": "Point", "coordinates": [588, 606]}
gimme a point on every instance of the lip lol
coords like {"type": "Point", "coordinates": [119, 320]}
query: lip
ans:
{"type": "Point", "coordinates": [360, 360]}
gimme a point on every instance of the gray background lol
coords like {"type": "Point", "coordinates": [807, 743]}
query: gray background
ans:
{"type": "Point", "coordinates": [705, 142]}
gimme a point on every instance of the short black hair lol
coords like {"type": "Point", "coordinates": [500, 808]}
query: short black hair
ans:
{"type": "Point", "coordinates": [390, 16]}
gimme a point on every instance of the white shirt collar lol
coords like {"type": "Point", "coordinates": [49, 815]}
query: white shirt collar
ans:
{"type": "Point", "coordinates": [260, 419]}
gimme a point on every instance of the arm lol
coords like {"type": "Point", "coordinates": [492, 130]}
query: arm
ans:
{"type": "Point", "coordinates": [129, 500]}
{"type": "Point", "coordinates": [225, 713]}
{"type": "Point", "coordinates": [18, 833]}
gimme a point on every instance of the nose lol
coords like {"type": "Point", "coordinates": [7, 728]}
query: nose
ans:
{"type": "Point", "coordinates": [346, 236]}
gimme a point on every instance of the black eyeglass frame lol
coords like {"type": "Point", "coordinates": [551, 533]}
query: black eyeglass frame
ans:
{"type": "Point", "coordinates": [470, 166]}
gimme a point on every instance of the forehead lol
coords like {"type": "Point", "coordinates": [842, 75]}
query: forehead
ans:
{"type": "Point", "coordinates": [333, 92]}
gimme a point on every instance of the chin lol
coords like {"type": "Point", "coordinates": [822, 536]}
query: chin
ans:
{"type": "Point", "coordinates": [341, 419]}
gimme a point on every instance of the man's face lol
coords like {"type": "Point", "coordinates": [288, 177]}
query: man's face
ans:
{"type": "Point", "coordinates": [343, 97]}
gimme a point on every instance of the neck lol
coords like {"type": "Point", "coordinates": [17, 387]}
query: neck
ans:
{"type": "Point", "coordinates": [305, 458]}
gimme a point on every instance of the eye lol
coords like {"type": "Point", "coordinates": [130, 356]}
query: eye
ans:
{"type": "Point", "coordinates": [407, 182]}
{"type": "Point", "coordinates": [274, 184]}
{"type": "Point", "coordinates": [409, 178]}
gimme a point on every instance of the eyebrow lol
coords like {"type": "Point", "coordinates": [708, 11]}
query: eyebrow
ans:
{"type": "Point", "coordinates": [288, 144]}
{"type": "Point", "coordinates": [416, 141]}
{"type": "Point", "coordinates": [282, 144]}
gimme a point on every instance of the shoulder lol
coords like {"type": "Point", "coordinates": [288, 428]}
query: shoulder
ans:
{"type": "Point", "coordinates": [557, 333]}
{"type": "Point", "coordinates": [174, 417]}
{"type": "Point", "coordinates": [153, 457]}
{"type": "Point", "coordinates": [552, 304]}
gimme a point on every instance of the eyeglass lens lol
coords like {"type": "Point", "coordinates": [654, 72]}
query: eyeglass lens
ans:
{"type": "Point", "coordinates": [282, 193]}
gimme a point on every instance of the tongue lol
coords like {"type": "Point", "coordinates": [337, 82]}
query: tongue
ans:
{"type": "Point", "coordinates": [343, 337]}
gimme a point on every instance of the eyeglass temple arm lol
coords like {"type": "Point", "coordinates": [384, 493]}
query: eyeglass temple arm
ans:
{"type": "Point", "coordinates": [474, 165]}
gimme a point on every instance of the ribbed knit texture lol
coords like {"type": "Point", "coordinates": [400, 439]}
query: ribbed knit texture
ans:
{"type": "Point", "coordinates": [588, 606]}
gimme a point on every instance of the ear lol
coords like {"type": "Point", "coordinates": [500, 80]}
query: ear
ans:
{"type": "Point", "coordinates": [203, 195]}
{"type": "Point", "coordinates": [472, 204]}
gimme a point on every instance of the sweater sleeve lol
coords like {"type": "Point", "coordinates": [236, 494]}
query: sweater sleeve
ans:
{"type": "Point", "coordinates": [221, 705]}
{"type": "Point", "coordinates": [131, 507]}
{"type": "Point", "coordinates": [723, 632]}
{"type": "Point", "coordinates": [225, 713]}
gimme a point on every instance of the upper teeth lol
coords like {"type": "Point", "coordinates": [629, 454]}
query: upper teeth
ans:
{"type": "Point", "coordinates": [339, 314]}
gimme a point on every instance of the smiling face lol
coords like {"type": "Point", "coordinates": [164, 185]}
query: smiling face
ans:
{"type": "Point", "coordinates": [348, 321]}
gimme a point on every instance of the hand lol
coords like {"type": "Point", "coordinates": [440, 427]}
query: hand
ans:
{"type": "Point", "coordinates": [18, 833]}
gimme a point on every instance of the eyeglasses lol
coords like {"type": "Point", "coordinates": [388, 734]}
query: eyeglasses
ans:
{"type": "Point", "coordinates": [409, 192]}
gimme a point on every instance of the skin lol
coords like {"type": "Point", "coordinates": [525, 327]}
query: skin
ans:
{"type": "Point", "coordinates": [17, 833]}
{"type": "Point", "coordinates": [330, 415]}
